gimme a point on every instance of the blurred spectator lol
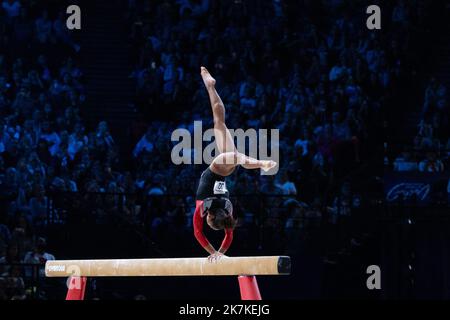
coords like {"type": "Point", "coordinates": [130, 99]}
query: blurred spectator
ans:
{"type": "Point", "coordinates": [144, 144]}
{"type": "Point", "coordinates": [12, 8]}
{"type": "Point", "coordinates": [405, 162]}
{"type": "Point", "coordinates": [431, 163]}
{"type": "Point", "coordinates": [39, 255]}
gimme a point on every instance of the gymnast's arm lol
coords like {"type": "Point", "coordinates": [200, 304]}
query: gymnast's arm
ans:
{"type": "Point", "coordinates": [226, 243]}
{"type": "Point", "coordinates": [198, 231]}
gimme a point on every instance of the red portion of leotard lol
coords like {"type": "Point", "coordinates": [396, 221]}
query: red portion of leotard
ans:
{"type": "Point", "coordinates": [226, 243]}
{"type": "Point", "coordinates": [198, 224]}
{"type": "Point", "coordinates": [198, 228]}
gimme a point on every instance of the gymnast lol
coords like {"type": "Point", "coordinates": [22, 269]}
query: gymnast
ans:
{"type": "Point", "coordinates": [212, 198]}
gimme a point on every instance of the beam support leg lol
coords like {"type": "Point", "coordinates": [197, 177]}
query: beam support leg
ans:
{"type": "Point", "coordinates": [76, 288]}
{"type": "Point", "coordinates": [249, 288]}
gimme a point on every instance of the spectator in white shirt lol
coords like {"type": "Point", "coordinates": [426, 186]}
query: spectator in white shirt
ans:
{"type": "Point", "coordinates": [38, 256]}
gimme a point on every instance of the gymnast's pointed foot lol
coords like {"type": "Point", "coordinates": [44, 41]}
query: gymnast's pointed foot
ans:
{"type": "Point", "coordinates": [268, 164]}
{"type": "Point", "coordinates": [208, 80]}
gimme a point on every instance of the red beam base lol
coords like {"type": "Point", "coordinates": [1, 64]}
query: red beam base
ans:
{"type": "Point", "coordinates": [76, 288]}
{"type": "Point", "coordinates": [249, 288]}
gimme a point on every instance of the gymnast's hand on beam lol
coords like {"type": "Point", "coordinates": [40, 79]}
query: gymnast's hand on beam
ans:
{"type": "Point", "coordinates": [216, 256]}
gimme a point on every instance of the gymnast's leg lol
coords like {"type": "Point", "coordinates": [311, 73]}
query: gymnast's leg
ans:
{"type": "Point", "coordinates": [224, 140]}
{"type": "Point", "coordinates": [229, 157]}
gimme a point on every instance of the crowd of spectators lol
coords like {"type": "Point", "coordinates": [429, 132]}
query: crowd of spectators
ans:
{"type": "Point", "coordinates": [315, 72]}
{"type": "Point", "coordinates": [44, 145]}
{"type": "Point", "coordinates": [430, 150]}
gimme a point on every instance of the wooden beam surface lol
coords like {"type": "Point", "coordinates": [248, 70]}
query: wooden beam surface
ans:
{"type": "Point", "coordinates": [226, 266]}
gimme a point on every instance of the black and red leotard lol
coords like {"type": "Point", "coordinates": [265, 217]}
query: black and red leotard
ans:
{"type": "Point", "coordinates": [211, 191]}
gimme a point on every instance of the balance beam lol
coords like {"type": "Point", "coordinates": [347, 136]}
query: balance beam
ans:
{"type": "Point", "coordinates": [226, 266]}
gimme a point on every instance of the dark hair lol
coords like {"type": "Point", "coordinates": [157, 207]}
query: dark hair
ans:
{"type": "Point", "coordinates": [221, 220]}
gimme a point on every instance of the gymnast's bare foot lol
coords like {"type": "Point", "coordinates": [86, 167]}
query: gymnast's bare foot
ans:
{"type": "Point", "coordinates": [208, 80]}
{"type": "Point", "coordinates": [268, 164]}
